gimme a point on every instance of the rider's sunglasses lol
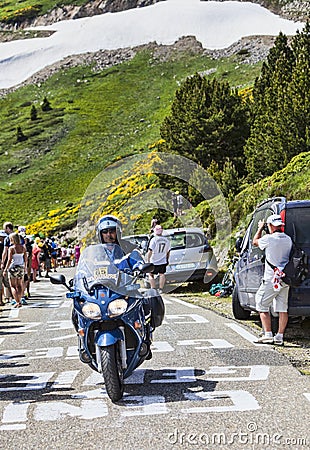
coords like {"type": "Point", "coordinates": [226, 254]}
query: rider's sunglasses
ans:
{"type": "Point", "coordinates": [108, 230]}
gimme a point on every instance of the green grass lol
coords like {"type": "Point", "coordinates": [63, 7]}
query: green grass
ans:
{"type": "Point", "coordinates": [96, 119]}
{"type": "Point", "coordinates": [12, 10]}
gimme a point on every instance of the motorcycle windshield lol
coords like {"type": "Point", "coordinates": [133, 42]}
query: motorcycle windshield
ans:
{"type": "Point", "coordinates": [106, 265]}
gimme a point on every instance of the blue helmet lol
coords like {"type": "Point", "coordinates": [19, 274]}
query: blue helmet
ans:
{"type": "Point", "coordinates": [109, 221]}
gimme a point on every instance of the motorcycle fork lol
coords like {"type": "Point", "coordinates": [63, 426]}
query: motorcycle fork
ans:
{"type": "Point", "coordinates": [123, 349]}
{"type": "Point", "coordinates": [98, 358]}
{"type": "Point", "coordinates": [122, 346]}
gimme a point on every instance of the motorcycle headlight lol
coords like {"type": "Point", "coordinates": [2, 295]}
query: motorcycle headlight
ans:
{"type": "Point", "coordinates": [91, 310]}
{"type": "Point", "coordinates": [117, 307]}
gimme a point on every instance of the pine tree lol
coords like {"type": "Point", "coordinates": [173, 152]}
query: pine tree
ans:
{"type": "Point", "coordinates": [33, 113]}
{"type": "Point", "coordinates": [208, 122]}
{"type": "Point", "coordinates": [281, 107]}
{"type": "Point", "coordinates": [46, 106]}
{"type": "Point", "coordinates": [20, 137]}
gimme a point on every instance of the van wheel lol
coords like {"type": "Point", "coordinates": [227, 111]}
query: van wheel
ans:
{"type": "Point", "coordinates": [239, 312]}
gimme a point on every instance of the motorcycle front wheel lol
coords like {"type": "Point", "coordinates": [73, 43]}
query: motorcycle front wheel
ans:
{"type": "Point", "coordinates": [112, 371]}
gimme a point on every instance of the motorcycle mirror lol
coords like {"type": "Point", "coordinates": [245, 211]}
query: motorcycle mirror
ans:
{"type": "Point", "coordinates": [58, 278]}
{"type": "Point", "coordinates": [146, 268]}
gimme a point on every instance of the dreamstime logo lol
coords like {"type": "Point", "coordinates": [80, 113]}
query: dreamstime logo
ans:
{"type": "Point", "coordinates": [249, 437]}
{"type": "Point", "coordinates": [97, 199]}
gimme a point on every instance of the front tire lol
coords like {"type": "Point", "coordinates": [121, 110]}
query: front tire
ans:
{"type": "Point", "coordinates": [112, 371]}
{"type": "Point", "coordinates": [239, 312]}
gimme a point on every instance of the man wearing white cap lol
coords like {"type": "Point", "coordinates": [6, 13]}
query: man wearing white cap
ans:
{"type": "Point", "coordinates": [277, 246]}
{"type": "Point", "coordinates": [158, 254]}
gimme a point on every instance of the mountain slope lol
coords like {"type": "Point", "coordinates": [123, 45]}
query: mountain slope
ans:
{"type": "Point", "coordinates": [98, 116]}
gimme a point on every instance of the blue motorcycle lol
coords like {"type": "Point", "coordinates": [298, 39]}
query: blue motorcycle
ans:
{"type": "Point", "coordinates": [113, 319]}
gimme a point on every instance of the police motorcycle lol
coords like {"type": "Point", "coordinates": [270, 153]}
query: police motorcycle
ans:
{"type": "Point", "coordinates": [113, 319]}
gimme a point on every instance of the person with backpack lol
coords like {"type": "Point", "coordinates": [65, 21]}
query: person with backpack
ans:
{"type": "Point", "coordinates": [273, 290]}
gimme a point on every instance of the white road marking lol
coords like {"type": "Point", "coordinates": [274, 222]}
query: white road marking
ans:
{"type": "Point", "coordinates": [61, 338]}
{"type": "Point", "coordinates": [179, 318]}
{"type": "Point", "coordinates": [72, 351]}
{"type": "Point", "coordinates": [55, 304]}
{"type": "Point", "coordinates": [214, 343]}
{"type": "Point", "coordinates": [245, 334]}
{"type": "Point", "coordinates": [162, 346]}
{"type": "Point", "coordinates": [14, 313]}
{"type": "Point", "coordinates": [11, 354]}
{"type": "Point", "coordinates": [13, 427]}
{"type": "Point", "coordinates": [175, 375]}
{"type": "Point", "coordinates": [65, 379]}
{"type": "Point", "coordinates": [95, 393]}
{"type": "Point", "coordinates": [89, 409]}
{"type": "Point", "coordinates": [25, 381]}
{"type": "Point", "coordinates": [56, 325]}
{"type": "Point", "coordinates": [137, 377]}
{"type": "Point", "coordinates": [66, 304]}
{"type": "Point", "coordinates": [144, 405]}
{"type": "Point", "coordinates": [94, 379]}
{"type": "Point", "coordinates": [255, 373]}
{"type": "Point", "coordinates": [242, 401]}
{"type": "Point", "coordinates": [24, 328]}
{"type": "Point", "coordinates": [1, 340]}
{"type": "Point", "coordinates": [15, 412]}
{"type": "Point", "coordinates": [182, 302]}
{"type": "Point", "coordinates": [51, 352]}
{"type": "Point", "coordinates": [307, 395]}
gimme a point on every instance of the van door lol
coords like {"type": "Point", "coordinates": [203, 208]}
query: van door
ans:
{"type": "Point", "coordinates": [250, 264]}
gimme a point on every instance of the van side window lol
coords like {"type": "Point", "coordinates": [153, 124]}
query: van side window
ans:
{"type": "Point", "coordinates": [259, 215]}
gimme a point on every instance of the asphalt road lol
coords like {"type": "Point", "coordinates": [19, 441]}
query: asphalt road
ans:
{"type": "Point", "coordinates": [208, 386]}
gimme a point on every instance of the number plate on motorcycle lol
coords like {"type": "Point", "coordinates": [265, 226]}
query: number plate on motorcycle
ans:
{"type": "Point", "coordinates": [101, 272]}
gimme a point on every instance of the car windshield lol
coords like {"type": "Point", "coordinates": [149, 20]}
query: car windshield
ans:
{"type": "Point", "coordinates": [183, 239]}
{"type": "Point", "coordinates": [298, 225]}
{"type": "Point", "coordinates": [103, 264]}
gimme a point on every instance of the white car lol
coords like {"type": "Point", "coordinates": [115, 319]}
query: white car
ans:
{"type": "Point", "coordinates": [191, 256]}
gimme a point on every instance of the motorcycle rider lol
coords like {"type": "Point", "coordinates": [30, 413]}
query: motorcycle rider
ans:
{"type": "Point", "coordinates": [109, 232]}
{"type": "Point", "coordinates": [124, 256]}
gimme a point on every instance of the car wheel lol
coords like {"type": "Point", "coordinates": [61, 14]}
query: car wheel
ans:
{"type": "Point", "coordinates": [239, 312]}
{"type": "Point", "coordinates": [147, 284]}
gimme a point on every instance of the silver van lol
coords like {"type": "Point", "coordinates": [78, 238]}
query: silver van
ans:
{"type": "Point", "coordinates": [249, 268]}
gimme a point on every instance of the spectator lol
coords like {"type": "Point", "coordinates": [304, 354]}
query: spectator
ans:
{"type": "Point", "coordinates": [47, 259]}
{"type": "Point", "coordinates": [54, 254]}
{"type": "Point", "coordinates": [64, 257]}
{"type": "Point", "coordinates": [35, 259]}
{"type": "Point", "coordinates": [158, 254]}
{"type": "Point", "coordinates": [155, 221]}
{"type": "Point", "coordinates": [27, 278]}
{"type": "Point", "coordinates": [2, 237]}
{"type": "Point", "coordinates": [15, 266]}
{"type": "Point", "coordinates": [77, 252]}
{"type": "Point", "coordinates": [180, 204]}
{"type": "Point", "coordinates": [277, 246]}
{"type": "Point", "coordinates": [8, 229]}
{"type": "Point", "coordinates": [71, 256]}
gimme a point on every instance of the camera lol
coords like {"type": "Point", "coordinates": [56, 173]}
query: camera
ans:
{"type": "Point", "coordinates": [265, 228]}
